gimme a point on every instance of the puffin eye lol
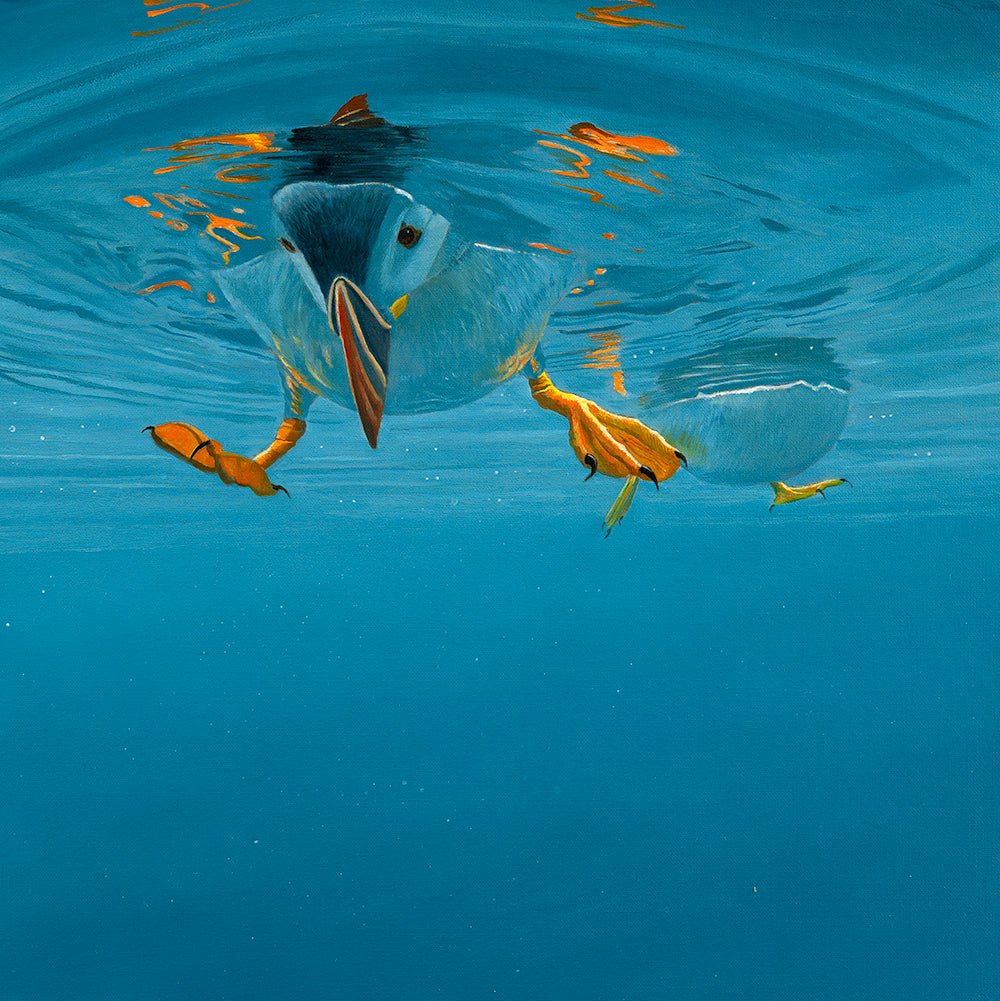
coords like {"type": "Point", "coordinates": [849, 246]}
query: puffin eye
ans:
{"type": "Point", "coordinates": [287, 244]}
{"type": "Point", "coordinates": [408, 235]}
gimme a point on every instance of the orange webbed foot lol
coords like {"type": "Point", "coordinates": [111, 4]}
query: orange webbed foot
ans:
{"type": "Point", "coordinates": [188, 443]}
{"type": "Point", "coordinates": [609, 443]}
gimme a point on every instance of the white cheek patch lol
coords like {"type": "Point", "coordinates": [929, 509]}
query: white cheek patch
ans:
{"type": "Point", "coordinates": [394, 269]}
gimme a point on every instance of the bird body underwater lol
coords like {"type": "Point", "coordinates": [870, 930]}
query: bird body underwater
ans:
{"type": "Point", "coordinates": [375, 302]}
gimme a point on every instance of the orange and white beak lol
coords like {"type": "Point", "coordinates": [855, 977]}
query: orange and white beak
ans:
{"type": "Point", "coordinates": [364, 334]}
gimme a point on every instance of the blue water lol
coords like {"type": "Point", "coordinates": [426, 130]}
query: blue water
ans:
{"type": "Point", "coordinates": [419, 730]}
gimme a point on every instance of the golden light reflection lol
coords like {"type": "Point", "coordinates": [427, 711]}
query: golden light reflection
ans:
{"type": "Point", "coordinates": [226, 194]}
{"type": "Point", "coordinates": [170, 200]}
{"type": "Point", "coordinates": [633, 148]}
{"type": "Point", "coordinates": [582, 160]}
{"type": "Point", "coordinates": [238, 175]}
{"type": "Point", "coordinates": [616, 145]}
{"type": "Point", "coordinates": [233, 226]}
{"type": "Point", "coordinates": [203, 8]}
{"type": "Point", "coordinates": [218, 226]}
{"type": "Point", "coordinates": [605, 355]}
{"type": "Point", "coordinates": [625, 179]}
{"type": "Point", "coordinates": [613, 15]}
{"type": "Point", "coordinates": [152, 288]}
{"type": "Point", "coordinates": [249, 143]}
{"type": "Point", "coordinates": [545, 246]}
{"type": "Point", "coordinates": [595, 196]}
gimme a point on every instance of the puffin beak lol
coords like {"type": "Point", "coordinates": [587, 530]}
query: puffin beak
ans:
{"type": "Point", "coordinates": [365, 337]}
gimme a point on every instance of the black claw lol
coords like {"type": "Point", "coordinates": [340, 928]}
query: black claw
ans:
{"type": "Point", "coordinates": [199, 448]}
{"type": "Point", "coordinates": [682, 457]}
{"type": "Point", "coordinates": [591, 463]}
{"type": "Point", "coordinates": [278, 486]}
{"type": "Point", "coordinates": [849, 483]}
{"type": "Point", "coordinates": [150, 428]}
{"type": "Point", "coordinates": [649, 474]}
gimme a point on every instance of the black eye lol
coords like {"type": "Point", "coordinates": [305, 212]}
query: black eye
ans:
{"type": "Point", "coordinates": [287, 244]}
{"type": "Point", "coordinates": [408, 235]}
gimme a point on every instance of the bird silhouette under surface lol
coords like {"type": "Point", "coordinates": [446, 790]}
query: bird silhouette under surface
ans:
{"type": "Point", "coordinates": [372, 300]}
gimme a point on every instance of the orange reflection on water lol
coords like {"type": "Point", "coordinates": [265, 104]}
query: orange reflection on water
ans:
{"type": "Point", "coordinates": [251, 144]}
{"type": "Point", "coordinates": [580, 165]}
{"type": "Point", "coordinates": [217, 224]}
{"type": "Point", "coordinates": [595, 196]}
{"type": "Point", "coordinates": [169, 201]}
{"type": "Point", "coordinates": [613, 15]}
{"type": "Point", "coordinates": [203, 8]}
{"type": "Point", "coordinates": [152, 288]}
{"type": "Point", "coordinates": [545, 246]}
{"type": "Point", "coordinates": [625, 179]}
{"type": "Point", "coordinates": [611, 144]}
{"type": "Point", "coordinates": [606, 356]}
{"type": "Point", "coordinates": [228, 173]}
{"type": "Point", "coordinates": [615, 145]}
{"type": "Point", "coordinates": [234, 226]}
{"type": "Point", "coordinates": [226, 194]}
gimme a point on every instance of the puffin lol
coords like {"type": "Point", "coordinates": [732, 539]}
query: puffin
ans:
{"type": "Point", "coordinates": [372, 300]}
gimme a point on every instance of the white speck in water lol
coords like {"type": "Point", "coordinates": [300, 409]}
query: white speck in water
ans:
{"type": "Point", "coordinates": [12, 429]}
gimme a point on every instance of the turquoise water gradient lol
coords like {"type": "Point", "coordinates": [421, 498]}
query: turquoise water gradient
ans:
{"type": "Point", "coordinates": [419, 730]}
{"type": "Point", "coordinates": [738, 769]}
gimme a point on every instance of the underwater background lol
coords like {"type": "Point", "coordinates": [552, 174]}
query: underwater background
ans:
{"type": "Point", "coordinates": [419, 730]}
